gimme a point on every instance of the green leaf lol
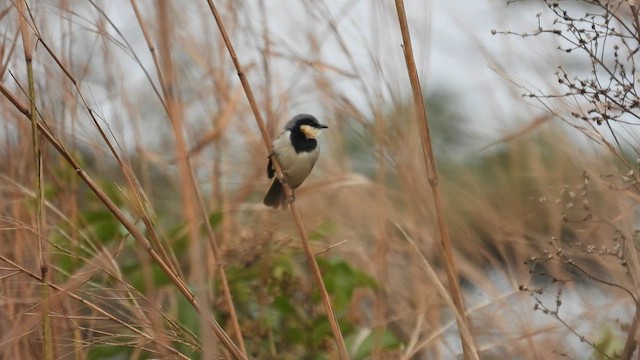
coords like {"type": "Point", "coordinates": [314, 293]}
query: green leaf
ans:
{"type": "Point", "coordinates": [109, 352]}
{"type": "Point", "coordinates": [102, 224]}
{"type": "Point", "coordinates": [342, 280]}
{"type": "Point", "coordinates": [365, 348]}
{"type": "Point", "coordinates": [607, 343]}
{"type": "Point", "coordinates": [322, 231]}
{"type": "Point", "coordinates": [215, 219]}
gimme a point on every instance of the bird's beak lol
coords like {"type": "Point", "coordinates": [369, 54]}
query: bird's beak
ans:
{"type": "Point", "coordinates": [323, 126]}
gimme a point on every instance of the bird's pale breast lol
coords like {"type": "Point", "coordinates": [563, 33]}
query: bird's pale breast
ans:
{"type": "Point", "coordinates": [296, 166]}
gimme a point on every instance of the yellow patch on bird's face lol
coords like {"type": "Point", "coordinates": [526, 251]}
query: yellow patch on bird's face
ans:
{"type": "Point", "coordinates": [309, 131]}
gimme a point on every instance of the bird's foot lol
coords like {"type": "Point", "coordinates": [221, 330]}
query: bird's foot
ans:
{"type": "Point", "coordinates": [283, 179]}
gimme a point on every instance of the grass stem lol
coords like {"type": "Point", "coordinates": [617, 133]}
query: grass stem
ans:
{"type": "Point", "coordinates": [315, 269]}
{"type": "Point", "coordinates": [47, 344]}
{"type": "Point", "coordinates": [468, 346]}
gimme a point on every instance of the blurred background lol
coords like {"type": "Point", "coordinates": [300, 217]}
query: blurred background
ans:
{"type": "Point", "coordinates": [532, 109]}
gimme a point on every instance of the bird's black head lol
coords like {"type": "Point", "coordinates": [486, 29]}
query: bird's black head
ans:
{"type": "Point", "coordinates": [307, 124]}
{"type": "Point", "coordinates": [304, 128]}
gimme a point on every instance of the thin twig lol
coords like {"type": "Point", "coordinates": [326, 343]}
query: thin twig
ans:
{"type": "Point", "coordinates": [331, 247]}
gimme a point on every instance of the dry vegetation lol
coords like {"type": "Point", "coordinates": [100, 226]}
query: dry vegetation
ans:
{"type": "Point", "coordinates": [148, 238]}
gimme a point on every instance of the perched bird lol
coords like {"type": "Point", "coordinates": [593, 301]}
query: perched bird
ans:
{"type": "Point", "coordinates": [296, 149]}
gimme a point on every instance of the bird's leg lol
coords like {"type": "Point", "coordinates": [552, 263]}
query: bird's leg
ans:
{"type": "Point", "coordinates": [291, 198]}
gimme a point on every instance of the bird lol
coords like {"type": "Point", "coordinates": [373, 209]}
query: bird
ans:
{"type": "Point", "coordinates": [296, 150]}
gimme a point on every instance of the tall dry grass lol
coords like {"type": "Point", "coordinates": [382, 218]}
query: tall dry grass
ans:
{"type": "Point", "coordinates": [158, 245]}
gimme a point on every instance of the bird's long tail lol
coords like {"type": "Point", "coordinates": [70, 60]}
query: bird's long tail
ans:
{"type": "Point", "coordinates": [275, 196]}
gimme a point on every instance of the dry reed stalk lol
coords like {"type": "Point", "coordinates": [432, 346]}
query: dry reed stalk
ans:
{"type": "Point", "coordinates": [155, 241]}
{"type": "Point", "coordinates": [118, 214]}
{"type": "Point", "coordinates": [266, 65]}
{"type": "Point", "coordinates": [47, 345]}
{"type": "Point", "coordinates": [175, 112]}
{"type": "Point", "coordinates": [315, 270]}
{"type": "Point", "coordinates": [173, 107]}
{"type": "Point", "coordinates": [68, 291]}
{"type": "Point", "coordinates": [228, 298]}
{"type": "Point", "coordinates": [381, 213]}
{"type": "Point", "coordinates": [382, 235]}
{"type": "Point", "coordinates": [430, 271]}
{"type": "Point", "coordinates": [190, 192]}
{"type": "Point", "coordinates": [468, 346]}
{"type": "Point", "coordinates": [71, 201]}
{"type": "Point", "coordinates": [152, 50]}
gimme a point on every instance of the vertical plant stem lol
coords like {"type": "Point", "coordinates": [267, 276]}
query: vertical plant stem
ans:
{"type": "Point", "coordinates": [187, 186]}
{"type": "Point", "coordinates": [468, 347]}
{"type": "Point", "coordinates": [213, 243]}
{"type": "Point", "coordinates": [47, 344]}
{"type": "Point", "coordinates": [266, 65]}
{"type": "Point", "coordinates": [152, 50]}
{"type": "Point", "coordinates": [382, 237]}
{"type": "Point", "coordinates": [431, 273]}
{"type": "Point", "coordinates": [317, 276]}
{"type": "Point", "coordinates": [223, 275]}
{"type": "Point", "coordinates": [131, 228]}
